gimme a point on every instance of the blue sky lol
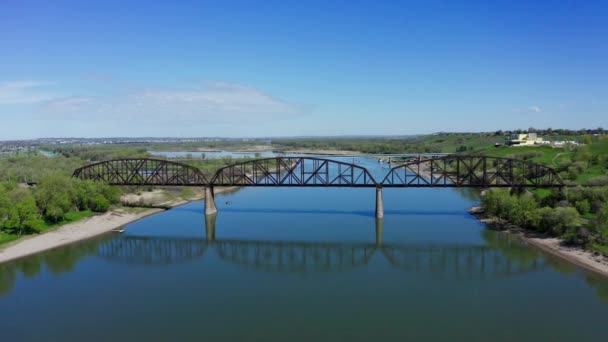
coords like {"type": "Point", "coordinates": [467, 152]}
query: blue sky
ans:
{"type": "Point", "coordinates": [284, 68]}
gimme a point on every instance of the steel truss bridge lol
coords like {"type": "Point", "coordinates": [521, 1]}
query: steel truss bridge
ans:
{"type": "Point", "coordinates": [445, 171]}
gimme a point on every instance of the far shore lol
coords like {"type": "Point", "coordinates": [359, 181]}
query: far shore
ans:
{"type": "Point", "coordinates": [576, 255]}
{"type": "Point", "coordinates": [84, 229]}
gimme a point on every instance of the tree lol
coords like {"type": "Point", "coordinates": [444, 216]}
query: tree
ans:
{"type": "Point", "coordinates": [54, 196]}
{"type": "Point", "coordinates": [100, 204]}
{"type": "Point", "coordinates": [583, 206]}
{"type": "Point", "coordinates": [23, 216]}
{"type": "Point", "coordinates": [583, 153]}
{"type": "Point", "coordinates": [5, 208]}
{"type": "Point", "coordinates": [587, 140]}
{"type": "Point", "coordinates": [562, 220]}
{"type": "Point", "coordinates": [601, 217]}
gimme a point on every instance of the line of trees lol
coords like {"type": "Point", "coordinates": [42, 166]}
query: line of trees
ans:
{"type": "Point", "coordinates": [557, 215]}
{"type": "Point", "coordinates": [25, 210]}
{"type": "Point", "coordinates": [551, 131]}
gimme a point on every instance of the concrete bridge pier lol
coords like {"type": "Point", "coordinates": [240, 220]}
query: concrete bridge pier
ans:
{"type": "Point", "coordinates": [379, 205]}
{"type": "Point", "coordinates": [210, 207]}
{"type": "Point", "coordinates": [210, 227]}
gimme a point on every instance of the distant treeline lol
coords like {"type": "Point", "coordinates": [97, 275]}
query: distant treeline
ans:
{"type": "Point", "coordinates": [540, 131]}
{"type": "Point", "coordinates": [417, 144]}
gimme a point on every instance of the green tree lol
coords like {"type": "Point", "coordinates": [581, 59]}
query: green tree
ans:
{"type": "Point", "coordinates": [587, 140]}
{"type": "Point", "coordinates": [601, 217]}
{"type": "Point", "coordinates": [100, 203]}
{"type": "Point", "coordinates": [583, 207]}
{"type": "Point", "coordinates": [23, 216]}
{"type": "Point", "coordinates": [55, 195]}
{"type": "Point", "coordinates": [561, 220]}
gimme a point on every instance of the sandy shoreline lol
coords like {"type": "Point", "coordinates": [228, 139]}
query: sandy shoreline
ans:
{"type": "Point", "coordinates": [82, 230]}
{"type": "Point", "coordinates": [70, 233]}
{"type": "Point", "coordinates": [576, 255]}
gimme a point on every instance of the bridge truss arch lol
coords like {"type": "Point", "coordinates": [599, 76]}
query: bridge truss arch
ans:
{"type": "Point", "coordinates": [471, 171]}
{"type": "Point", "coordinates": [294, 171]}
{"type": "Point", "coordinates": [142, 171]}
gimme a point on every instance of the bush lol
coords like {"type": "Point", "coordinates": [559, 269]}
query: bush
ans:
{"type": "Point", "coordinates": [100, 204]}
{"type": "Point", "coordinates": [18, 212]}
{"type": "Point", "coordinates": [54, 213]}
{"type": "Point", "coordinates": [573, 173]}
{"type": "Point", "coordinates": [559, 220]}
{"type": "Point", "coordinates": [601, 218]}
{"type": "Point", "coordinates": [55, 196]}
{"type": "Point", "coordinates": [598, 181]}
{"type": "Point", "coordinates": [583, 207]}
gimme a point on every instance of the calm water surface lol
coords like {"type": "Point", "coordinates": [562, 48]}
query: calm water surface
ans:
{"type": "Point", "coordinates": [300, 265]}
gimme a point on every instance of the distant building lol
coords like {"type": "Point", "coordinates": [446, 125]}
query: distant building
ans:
{"type": "Point", "coordinates": [525, 139]}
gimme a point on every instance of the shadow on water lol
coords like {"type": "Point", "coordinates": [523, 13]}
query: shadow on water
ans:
{"type": "Point", "coordinates": [365, 213]}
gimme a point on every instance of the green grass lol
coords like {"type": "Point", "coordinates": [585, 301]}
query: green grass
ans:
{"type": "Point", "coordinates": [600, 249]}
{"type": "Point", "coordinates": [588, 216]}
{"type": "Point", "coordinates": [537, 154]}
{"type": "Point", "coordinates": [542, 193]}
{"type": "Point", "coordinates": [5, 238]}
{"type": "Point", "coordinates": [589, 173]}
{"type": "Point", "coordinates": [70, 217]}
{"type": "Point", "coordinates": [599, 146]}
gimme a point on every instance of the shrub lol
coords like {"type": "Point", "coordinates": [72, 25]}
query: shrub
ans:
{"type": "Point", "coordinates": [583, 207]}
{"type": "Point", "coordinates": [559, 220]}
{"type": "Point", "coordinates": [54, 196]}
{"type": "Point", "coordinates": [598, 181]}
{"type": "Point", "coordinates": [100, 204]}
{"type": "Point", "coordinates": [573, 173]}
{"type": "Point", "coordinates": [54, 213]}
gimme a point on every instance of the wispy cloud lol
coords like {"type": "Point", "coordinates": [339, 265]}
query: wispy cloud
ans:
{"type": "Point", "coordinates": [213, 102]}
{"type": "Point", "coordinates": [24, 92]}
{"type": "Point", "coordinates": [535, 109]}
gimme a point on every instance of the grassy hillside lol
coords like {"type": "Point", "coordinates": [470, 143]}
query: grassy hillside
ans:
{"type": "Point", "coordinates": [586, 164]}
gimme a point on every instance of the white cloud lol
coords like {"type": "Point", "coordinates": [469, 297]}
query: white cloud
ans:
{"type": "Point", "coordinates": [535, 109]}
{"type": "Point", "coordinates": [23, 92]}
{"type": "Point", "coordinates": [214, 102]}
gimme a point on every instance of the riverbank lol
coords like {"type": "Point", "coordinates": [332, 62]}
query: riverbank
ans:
{"type": "Point", "coordinates": [86, 229]}
{"type": "Point", "coordinates": [591, 261]}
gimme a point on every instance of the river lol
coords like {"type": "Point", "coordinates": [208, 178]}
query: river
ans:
{"type": "Point", "coordinates": [304, 264]}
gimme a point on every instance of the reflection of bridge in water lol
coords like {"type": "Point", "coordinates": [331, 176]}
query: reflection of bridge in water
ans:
{"type": "Point", "coordinates": [301, 257]}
